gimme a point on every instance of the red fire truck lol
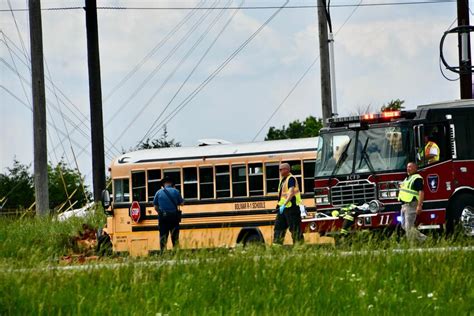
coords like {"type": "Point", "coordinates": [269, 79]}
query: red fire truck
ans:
{"type": "Point", "coordinates": [364, 158]}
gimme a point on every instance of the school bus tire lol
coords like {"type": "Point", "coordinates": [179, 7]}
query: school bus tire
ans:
{"type": "Point", "coordinates": [251, 236]}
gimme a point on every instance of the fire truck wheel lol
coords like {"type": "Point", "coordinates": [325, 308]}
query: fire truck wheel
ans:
{"type": "Point", "coordinates": [453, 215]}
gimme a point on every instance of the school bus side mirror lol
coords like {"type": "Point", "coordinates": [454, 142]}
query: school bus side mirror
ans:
{"type": "Point", "coordinates": [105, 199]}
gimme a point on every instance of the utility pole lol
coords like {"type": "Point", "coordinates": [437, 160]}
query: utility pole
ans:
{"type": "Point", "coordinates": [464, 45]}
{"type": "Point", "coordinates": [40, 164]}
{"type": "Point", "coordinates": [95, 98]}
{"type": "Point", "coordinates": [324, 61]}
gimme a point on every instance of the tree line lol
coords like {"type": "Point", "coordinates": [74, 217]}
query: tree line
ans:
{"type": "Point", "coordinates": [66, 187]}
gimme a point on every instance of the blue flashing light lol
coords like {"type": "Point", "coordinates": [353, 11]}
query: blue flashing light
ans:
{"type": "Point", "coordinates": [432, 216]}
{"type": "Point", "coordinates": [399, 219]}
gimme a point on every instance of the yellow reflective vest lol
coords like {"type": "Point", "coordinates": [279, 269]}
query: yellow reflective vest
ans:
{"type": "Point", "coordinates": [406, 193]}
{"type": "Point", "coordinates": [285, 191]}
{"type": "Point", "coordinates": [428, 147]}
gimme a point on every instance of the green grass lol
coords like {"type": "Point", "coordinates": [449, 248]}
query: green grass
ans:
{"type": "Point", "coordinates": [304, 280]}
{"type": "Point", "coordinates": [33, 241]}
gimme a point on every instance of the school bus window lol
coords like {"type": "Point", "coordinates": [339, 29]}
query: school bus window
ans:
{"type": "Point", "coordinates": [138, 186]}
{"type": "Point", "coordinates": [206, 182]}
{"type": "Point", "coordinates": [190, 190]}
{"type": "Point", "coordinates": [222, 181]}
{"type": "Point", "coordinates": [154, 183]}
{"type": "Point", "coordinates": [296, 171]}
{"type": "Point", "coordinates": [175, 175]}
{"type": "Point", "coordinates": [273, 177]}
{"type": "Point", "coordinates": [308, 174]}
{"type": "Point", "coordinates": [239, 181]}
{"type": "Point", "coordinates": [121, 190]}
{"type": "Point", "coordinates": [255, 179]}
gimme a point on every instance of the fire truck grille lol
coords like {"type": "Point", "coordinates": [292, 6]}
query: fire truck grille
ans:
{"type": "Point", "coordinates": [356, 192]}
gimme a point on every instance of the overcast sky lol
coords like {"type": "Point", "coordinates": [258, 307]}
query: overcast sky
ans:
{"type": "Point", "coordinates": [382, 53]}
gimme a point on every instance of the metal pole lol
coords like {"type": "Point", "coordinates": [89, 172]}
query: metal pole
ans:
{"type": "Point", "coordinates": [40, 164]}
{"type": "Point", "coordinates": [95, 97]}
{"type": "Point", "coordinates": [324, 61]}
{"type": "Point", "coordinates": [332, 74]}
{"type": "Point", "coordinates": [464, 45]}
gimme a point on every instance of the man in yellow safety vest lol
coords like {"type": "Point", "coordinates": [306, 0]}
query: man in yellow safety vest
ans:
{"type": "Point", "coordinates": [288, 210]}
{"type": "Point", "coordinates": [411, 195]}
{"type": "Point", "coordinates": [431, 151]}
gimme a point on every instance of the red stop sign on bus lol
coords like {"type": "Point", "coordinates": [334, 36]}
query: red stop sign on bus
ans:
{"type": "Point", "coordinates": [135, 211]}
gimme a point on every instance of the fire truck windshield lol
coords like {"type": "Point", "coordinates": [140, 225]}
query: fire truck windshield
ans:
{"type": "Point", "coordinates": [370, 150]}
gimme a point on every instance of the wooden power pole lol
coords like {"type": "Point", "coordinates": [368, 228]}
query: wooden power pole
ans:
{"type": "Point", "coordinates": [324, 61]}
{"type": "Point", "coordinates": [40, 164]}
{"type": "Point", "coordinates": [95, 98]}
{"type": "Point", "coordinates": [464, 44]}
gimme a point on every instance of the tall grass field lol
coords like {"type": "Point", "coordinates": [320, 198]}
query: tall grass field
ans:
{"type": "Point", "coordinates": [367, 277]}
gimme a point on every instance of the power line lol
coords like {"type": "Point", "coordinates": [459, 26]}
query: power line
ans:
{"type": "Point", "coordinates": [22, 78]}
{"type": "Point", "coordinates": [191, 72]}
{"type": "Point", "coordinates": [440, 62]}
{"type": "Point", "coordinates": [297, 83]}
{"type": "Point", "coordinates": [309, 6]}
{"type": "Point", "coordinates": [21, 56]}
{"type": "Point", "coordinates": [286, 97]}
{"type": "Point", "coordinates": [29, 108]}
{"type": "Point", "coordinates": [153, 51]}
{"type": "Point", "coordinates": [158, 67]}
{"type": "Point", "coordinates": [180, 63]}
{"type": "Point", "coordinates": [203, 84]}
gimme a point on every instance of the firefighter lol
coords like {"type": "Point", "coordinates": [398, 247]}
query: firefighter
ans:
{"type": "Point", "coordinates": [348, 214]}
{"type": "Point", "coordinates": [288, 210]}
{"type": "Point", "coordinates": [411, 195]}
{"type": "Point", "coordinates": [431, 150]}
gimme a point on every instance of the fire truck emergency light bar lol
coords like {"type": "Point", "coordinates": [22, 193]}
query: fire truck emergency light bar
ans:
{"type": "Point", "coordinates": [387, 115]}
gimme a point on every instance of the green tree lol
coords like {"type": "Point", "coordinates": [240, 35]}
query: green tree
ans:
{"type": "Point", "coordinates": [308, 128]}
{"type": "Point", "coordinates": [63, 182]}
{"type": "Point", "coordinates": [161, 142]}
{"type": "Point", "coordinates": [393, 105]}
{"type": "Point", "coordinates": [16, 187]}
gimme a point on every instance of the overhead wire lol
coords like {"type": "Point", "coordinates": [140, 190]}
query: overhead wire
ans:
{"type": "Point", "coordinates": [29, 108]}
{"type": "Point", "coordinates": [267, 7]}
{"type": "Point", "coordinates": [50, 85]}
{"type": "Point", "coordinates": [300, 79]}
{"type": "Point", "coordinates": [203, 56]}
{"type": "Point", "coordinates": [176, 68]}
{"type": "Point", "coordinates": [153, 51]}
{"type": "Point", "coordinates": [204, 83]}
{"type": "Point", "coordinates": [23, 79]}
{"type": "Point", "coordinates": [18, 73]}
{"type": "Point", "coordinates": [439, 60]}
{"type": "Point", "coordinates": [179, 64]}
{"type": "Point", "coordinates": [2, 60]}
{"type": "Point", "coordinates": [158, 67]}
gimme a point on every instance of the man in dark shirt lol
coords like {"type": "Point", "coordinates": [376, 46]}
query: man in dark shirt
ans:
{"type": "Point", "coordinates": [166, 203]}
{"type": "Point", "coordinates": [411, 195]}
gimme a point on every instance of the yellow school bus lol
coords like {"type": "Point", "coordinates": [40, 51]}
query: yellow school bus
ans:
{"type": "Point", "coordinates": [230, 192]}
